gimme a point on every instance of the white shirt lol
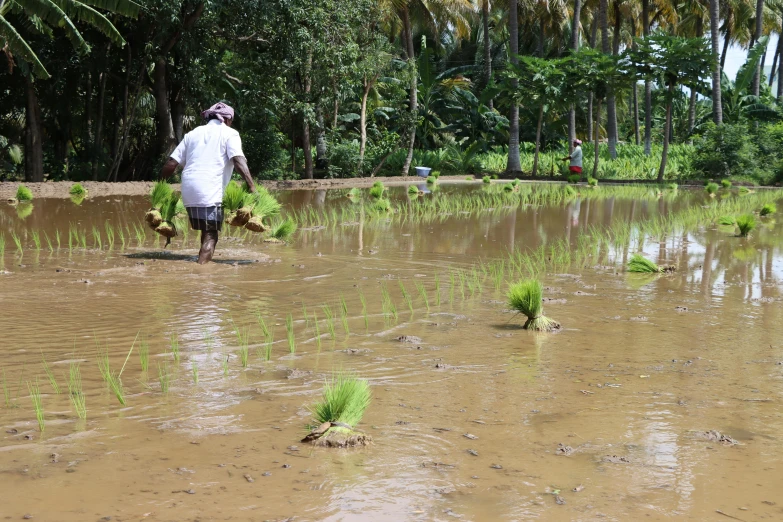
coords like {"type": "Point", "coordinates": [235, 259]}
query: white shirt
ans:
{"type": "Point", "coordinates": [205, 155]}
{"type": "Point", "coordinates": [576, 157]}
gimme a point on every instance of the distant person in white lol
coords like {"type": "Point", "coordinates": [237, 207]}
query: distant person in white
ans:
{"type": "Point", "coordinates": [208, 156]}
{"type": "Point", "coordinates": [575, 167]}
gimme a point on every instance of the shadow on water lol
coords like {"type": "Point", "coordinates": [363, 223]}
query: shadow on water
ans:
{"type": "Point", "coordinates": [170, 256]}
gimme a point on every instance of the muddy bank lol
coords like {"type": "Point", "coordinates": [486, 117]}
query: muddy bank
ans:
{"type": "Point", "coordinates": [59, 189]}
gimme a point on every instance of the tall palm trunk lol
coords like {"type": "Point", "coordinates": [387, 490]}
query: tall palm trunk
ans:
{"type": "Point", "coordinates": [538, 138]}
{"type": "Point", "coordinates": [165, 125]}
{"type": "Point", "coordinates": [574, 47]}
{"type": "Point", "coordinates": [611, 101]}
{"type": "Point", "coordinates": [97, 148]}
{"type": "Point", "coordinates": [590, 96]}
{"type": "Point", "coordinates": [717, 106]}
{"type": "Point", "coordinates": [306, 148]}
{"type": "Point", "coordinates": [33, 145]}
{"type": "Point", "coordinates": [368, 83]}
{"type": "Point", "coordinates": [487, 45]}
{"type": "Point", "coordinates": [647, 84]}
{"type": "Point", "coordinates": [726, 44]}
{"type": "Point", "coordinates": [413, 101]}
{"type": "Point", "coordinates": [635, 92]}
{"type": "Point", "coordinates": [773, 70]}
{"type": "Point", "coordinates": [692, 101]}
{"type": "Point", "coordinates": [780, 65]}
{"type": "Point", "coordinates": [756, 38]}
{"type": "Point", "coordinates": [513, 164]}
{"type": "Point", "coordinates": [596, 133]}
{"type": "Point", "coordinates": [666, 134]}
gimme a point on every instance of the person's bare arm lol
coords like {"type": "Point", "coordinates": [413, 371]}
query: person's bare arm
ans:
{"type": "Point", "coordinates": [168, 168]}
{"type": "Point", "coordinates": [240, 164]}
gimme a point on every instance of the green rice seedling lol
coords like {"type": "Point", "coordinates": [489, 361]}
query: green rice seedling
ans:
{"type": "Point", "coordinates": [194, 371]}
{"type": "Point", "coordinates": [36, 239]}
{"type": "Point", "coordinates": [711, 188]}
{"type": "Point", "coordinates": [50, 375]}
{"type": "Point", "coordinates": [77, 190]}
{"type": "Point", "coordinates": [487, 180]}
{"type": "Point", "coordinates": [746, 223]}
{"type": "Point", "coordinates": [508, 188]}
{"type": "Point", "coordinates": [174, 345]}
{"type": "Point", "coordinates": [224, 363]}
{"type": "Point", "coordinates": [289, 328]}
{"type": "Point", "coordinates": [767, 209]}
{"type": "Point", "coordinates": [35, 396]}
{"type": "Point", "coordinates": [144, 355]}
{"type": "Point", "coordinates": [75, 392]}
{"type": "Point", "coordinates": [435, 174]}
{"type": "Point", "coordinates": [317, 331]}
{"type": "Point", "coordinates": [6, 393]}
{"type": "Point", "coordinates": [2, 245]}
{"type": "Point", "coordinates": [469, 178]}
{"type": "Point", "coordinates": [244, 354]}
{"type": "Point", "coordinates": [283, 230]}
{"type": "Point", "coordinates": [121, 233]}
{"type": "Point", "coordinates": [140, 233]}
{"type": "Point", "coordinates": [413, 190]}
{"type": "Point", "coordinates": [24, 194]}
{"type": "Point", "coordinates": [406, 296]}
{"type": "Point", "coordinates": [389, 308]}
{"type": "Point", "coordinates": [641, 265]}
{"type": "Point", "coordinates": [48, 242]}
{"type": "Point", "coordinates": [526, 297]}
{"type": "Point", "coordinates": [592, 182]}
{"type": "Point", "coordinates": [431, 180]}
{"type": "Point", "coordinates": [17, 242]}
{"type": "Point", "coordinates": [743, 190]}
{"type": "Point", "coordinates": [355, 194]}
{"type": "Point", "coordinates": [437, 290]}
{"type": "Point", "coordinates": [725, 183]}
{"type": "Point", "coordinates": [209, 339]}
{"type": "Point", "coordinates": [727, 221]}
{"type": "Point", "coordinates": [380, 206]}
{"type": "Point", "coordinates": [364, 310]}
{"type": "Point", "coordinates": [569, 191]}
{"type": "Point", "coordinates": [164, 377]}
{"type": "Point", "coordinates": [23, 210]}
{"type": "Point", "coordinates": [243, 338]}
{"type": "Point", "coordinates": [574, 178]}
{"type": "Point", "coordinates": [96, 238]}
{"type": "Point", "coordinates": [329, 320]}
{"type": "Point", "coordinates": [423, 294]}
{"type": "Point", "coordinates": [83, 238]}
{"type": "Point", "coordinates": [377, 190]}
{"type": "Point", "coordinates": [109, 234]}
{"type": "Point", "coordinates": [452, 286]}
{"type": "Point", "coordinates": [344, 314]}
{"type": "Point", "coordinates": [344, 399]}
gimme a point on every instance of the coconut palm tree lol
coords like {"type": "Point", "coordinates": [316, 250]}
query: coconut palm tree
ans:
{"type": "Point", "coordinates": [513, 164]}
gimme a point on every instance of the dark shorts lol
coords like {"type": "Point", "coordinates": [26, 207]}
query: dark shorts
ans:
{"type": "Point", "coordinates": [577, 170]}
{"type": "Point", "coordinates": [206, 219]}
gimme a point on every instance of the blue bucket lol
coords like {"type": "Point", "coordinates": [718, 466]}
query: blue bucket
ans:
{"type": "Point", "coordinates": [423, 172]}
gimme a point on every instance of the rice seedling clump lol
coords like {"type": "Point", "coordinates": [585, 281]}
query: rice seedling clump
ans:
{"type": "Point", "coordinates": [592, 182]}
{"type": "Point", "coordinates": [726, 221]}
{"type": "Point", "coordinates": [746, 223]}
{"type": "Point", "coordinates": [413, 190]}
{"type": "Point", "coordinates": [725, 183]}
{"type": "Point", "coordinates": [159, 195]}
{"type": "Point", "coordinates": [641, 265]}
{"type": "Point", "coordinates": [486, 179]}
{"type": "Point", "coordinates": [711, 188]}
{"type": "Point", "coordinates": [574, 178]}
{"type": "Point", "coordinates": [355, 194]}
{"type": "Point", "coordinates": [431, 180]}
{"type": "Point", "coordinates": [343, 403]}
{"type": "Point", "coordinates": [526, 297]}
{"type": "Point", "coordinates": [768, 209]}
{"type": "Point", "coordinates": [284, 230]}
{"type": "Point", "coordinates": [77, 190]}
{"type": "Point", "coordinates": [24, 194]}
{"type": "Point", "coordinates": [377, 190]}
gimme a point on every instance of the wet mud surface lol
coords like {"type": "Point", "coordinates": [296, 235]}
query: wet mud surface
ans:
{"type": "Point", "coordinates": [659, 399]}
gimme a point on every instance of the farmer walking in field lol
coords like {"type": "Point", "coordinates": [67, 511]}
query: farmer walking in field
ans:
{"type": "Point", "coordinates": [575, 166]}
{"type": "Point", "coordinates": [208, 156]}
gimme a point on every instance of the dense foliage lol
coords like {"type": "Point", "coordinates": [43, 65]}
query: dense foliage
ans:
{"type": "Point", "coordinates": [104, 90]}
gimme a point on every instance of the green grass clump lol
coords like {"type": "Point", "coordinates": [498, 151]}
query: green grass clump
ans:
{"type": "Point", "coordinates": [746, 224]}
{"type": "Point", "coordinates": [377, 190]}
{"type": "Point", "coordinates": [431, 180]}
{"type": "Point", "coordinates": [592, 182]}
{"type": "Point", "coordinates": [725, 183]}
{"type": "Point", "coordinates": [711, 188]}
{"type": "Point", "coordinates": [526, 297]}
{"type": "Point", "coordinates": [726, 221]}
{"type": "Point", "coordinates": [289, 328]}
{"type": "Point", "coordinates": [413, 190]}
{"type": "Point", "coordinates": [641, 265]}
{"type": "Point", "coordinates": [344, 399]}
{"type": "Point", "coordinates": [77, 190]}
{"type": "Point", "coordinates": [435, 174]}
{"type": "Point", "coordinates": [35, 396]}
{"type": "Point", "coordinates": [24, 194]}
{"type": "Point", "coordinates": [469, 178]}
{"type": "Point", "coordinates": [486, 179]}
{"type": "Point", "coordinates": [264, 204]}
{"type": "Point", "coordinates": [768, 209]}
{"type": "Point", "coordinates": [284, 229]}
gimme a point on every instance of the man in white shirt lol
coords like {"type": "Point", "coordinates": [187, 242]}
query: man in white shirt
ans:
{"type": "Point", "coordinates": [208, 156]}
{"type": "Point", "coordinates": [575, 167]}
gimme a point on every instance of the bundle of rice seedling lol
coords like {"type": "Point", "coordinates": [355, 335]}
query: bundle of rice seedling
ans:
{"type": "Point", "coordinates": [671, 186]}
{"type": "Point", "coordinates": [641, 265]}
{"type": "Point", "coordinates": [508, 187]}
{"type": "Point", "coordinates": [574, 178]}
{"type": "Point", "coordinates": [526, 297]}
{"type": "Point", "coordinates": [515, 182]}
{"type": "Point", "coordinates": [431, 180]}
{"type": "Point", "coordinates": [233, 198]}
{"type": "Point", "coordinates": [77, 190]}
{"type": "Point", "coordinates": [355, 194]}
{"type": "Point", "coordinates": [726, 221]}
{"type": "Point", "coordinates": [711, 188]}
{"type": "Point", "coordinates": [569, 191]}
{"type": "Point", "coordinates": [486, 179]}
{"type": "Point", "coordinates": [382, 206]}
{"type": "Point", "coordinates": [725, 183]}
{"type": "Point", "coordinates": [181, 211]}
{"type": "Point", "coordinates": [744, 190]}
{"type": "Point", "coordinates": [746, 224]}
{"type": "Point", "coordinates": [282, 231]}
{"type": "Point", "coordinates": [23, 194]}
{"type": "Point", "coordinates": [592, 182]}
{"type": "Point", "coordinates": [377, 189]}
{"type": "Point", "coordinates": [160, 194]}
{"type": "Point", "coordinates": [264, 206]}
{"type": "Point", "coordinates": [768, 209]}
{"type": "Point", "coordinates": [168, 212]}
{"type": "Point", "coordinates": [413, 190]}
{"type": "Point", "coordinates": [343, 403]}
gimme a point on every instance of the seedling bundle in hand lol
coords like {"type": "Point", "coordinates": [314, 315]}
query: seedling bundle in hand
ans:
{"type": "Point", "coordinates": [249, 210]}
{"type": "Point", "coordinates": [163, 209]}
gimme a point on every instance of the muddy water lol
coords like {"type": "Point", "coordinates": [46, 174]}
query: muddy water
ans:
{"type": "Point", "coordinates": [612, 406]}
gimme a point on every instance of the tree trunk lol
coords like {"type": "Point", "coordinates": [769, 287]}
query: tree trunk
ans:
{"type": "Point", "coordinates": [165, 127]}
{"type": "Point", "coordinates": [780, 65]}
{"type": "Point", "coordinates": [513, 164]}
{"type": "Point", "coordinates": [692, 111]}
{"type": "Point", "coordinates": [611, 101]}
{"type": "Point", "coordinates": [88, 109]}
{"type": "Point", "coordinates": [541, 37]}
{"type": "Point", "coordinates": [726, 43]}
{"type": "Point", "coordinates": [363, 120]}
{"type": "Point", "coordinates": [306, 148]}
{"type": "Point", "coordinates": [33, 145]}
{"type": "Point", "coordinates": [717, 106]}
{"type": "Point", "coordinates": [757, 37]}
{"type": "Point", "coordinates": [538, 138]}
{"type": "Point", "coordinates": [574, 47]}
{"type": "Point", "coordinates": [774, 70]}
{"type": "Point", "coordinates": [413, 101]}
{"type": "Point", "coordinates": [487, 45]}
{"type": "Point", "coordinates": [321, 162]}
{"type": "Point", "coordinates": [635, 105]}
{"type": "Point", "coordinates": [647, 84]}
{"type": "Point", "coordinates": [593, 36]}
{"type": "Point", "coordinates": [666, 135]}
{"type": "Point", "coordinates": [596, 132]}
{"type": "Point", "coordinates": [97, 148]}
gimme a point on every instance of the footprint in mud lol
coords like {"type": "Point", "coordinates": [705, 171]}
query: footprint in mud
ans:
{"type": "Point", "coordinates": [716, 436]}
{"type": "Point", "coordinates": [412, 339]}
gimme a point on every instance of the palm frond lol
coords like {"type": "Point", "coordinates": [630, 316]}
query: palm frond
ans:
{"type": "Point", "coordinates": [19, 47]}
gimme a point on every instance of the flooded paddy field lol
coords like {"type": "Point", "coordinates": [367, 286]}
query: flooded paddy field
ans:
{"type": "Point", "coordinates": [658, 399]}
